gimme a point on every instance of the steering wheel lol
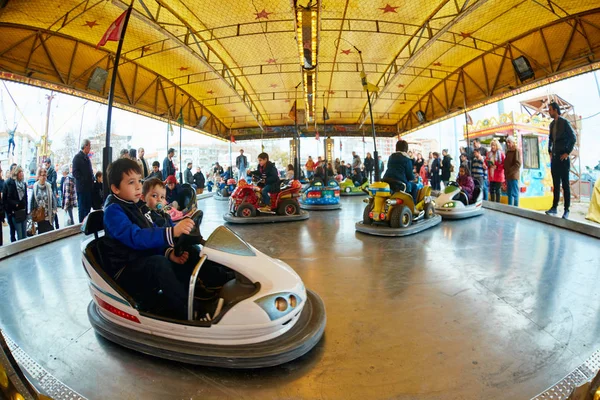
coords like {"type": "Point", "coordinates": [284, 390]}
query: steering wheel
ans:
{"type": "Point", "coordinates": [453, 183]}
{"type": "Point", "coordinates": [194, 237]}
{"type": "Point", "coordinates": [393, 182]}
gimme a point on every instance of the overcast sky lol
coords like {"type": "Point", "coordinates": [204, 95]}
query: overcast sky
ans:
{"type": "Point", "coordinates": [67, 111]}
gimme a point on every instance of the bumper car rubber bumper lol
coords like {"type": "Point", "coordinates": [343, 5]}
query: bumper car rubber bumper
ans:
{"type": "Point", "coordinates": [220, 197]}
{"type": "Point", "coordinates": [382, 230]}
{"type": "Point", "coordinates": [320, 207]}
{"type": "Point", "coordinates": [361, 193]}
{"type": "Point", "coordinates": [296, 342]}
{"type": "Point", "coordinates": [262, 219]}
{"type": "Point", "coordinates": [459, 214]}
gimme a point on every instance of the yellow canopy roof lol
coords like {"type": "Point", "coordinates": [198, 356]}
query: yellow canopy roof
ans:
{"type": "Point", "coordinates": [237, 63]}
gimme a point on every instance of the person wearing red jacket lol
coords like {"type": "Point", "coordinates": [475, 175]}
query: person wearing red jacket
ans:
{"type": "Point", "coordinates": [424, 173]}
{"type": "Point", "coordinates": [495, 162]}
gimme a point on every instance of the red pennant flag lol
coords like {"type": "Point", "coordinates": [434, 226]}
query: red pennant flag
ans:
{"type": "Point", "coordinates": [317, 135]}
{"type": "Point", "coordinates": [469, 120]}
{"type": "Point", "coordinates": [113, 32]}
{"type": "Point", "coordinates": [232, 138]}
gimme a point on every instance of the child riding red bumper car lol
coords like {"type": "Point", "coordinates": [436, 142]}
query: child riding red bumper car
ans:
{"type": "Point", "coordinates": [246, 205]}
{"type": "Point", "coordinates": [266, 201]}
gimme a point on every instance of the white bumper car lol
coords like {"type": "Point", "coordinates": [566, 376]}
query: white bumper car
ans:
{"type": "Point", "coordinates": [268, 316]}
{"type": "Point", "coordinates": [452, 203]}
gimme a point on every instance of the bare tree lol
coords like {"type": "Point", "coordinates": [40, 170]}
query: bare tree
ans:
{"type": "Point", "coordinates": [65, 154]}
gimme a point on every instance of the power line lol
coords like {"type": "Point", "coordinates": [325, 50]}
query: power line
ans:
{"type": "Point", "coordinates": [18, 109]}
{"type": "Point", "coordinates": [591, 116]}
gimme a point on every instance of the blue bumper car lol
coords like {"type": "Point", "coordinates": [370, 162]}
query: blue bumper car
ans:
{"type": "Point", "coordinates": [321, 196]}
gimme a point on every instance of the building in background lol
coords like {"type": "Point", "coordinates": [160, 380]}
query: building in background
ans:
{"type": "Point", "coordinates": [25, 151]}
{"type": "Point", "coordinates": [423, 146]}
{"type": "Point", "coordinates": [117, 142]}
{"type": "Point", "coordinates": [385, 147]}
{"type": "Point", "coordinates": [199, 154]}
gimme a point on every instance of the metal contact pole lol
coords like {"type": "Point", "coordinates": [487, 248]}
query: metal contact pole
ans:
{"type": "Point", "coordinates": [107, 151]}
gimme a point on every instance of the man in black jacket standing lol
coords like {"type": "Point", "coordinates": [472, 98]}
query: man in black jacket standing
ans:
{"type": "Point", "coordinates": [188, 177]}
{"type": "Point", "coordinates": [199, 179]}
{"type": "Point", "coordinates": [446, 167]}
{"type": "Point", "coordinates": [168, 166]}
{"type": "Point", "coordinates": [560, 144]}
{"type": "Point", "coordinates": [84, 179]}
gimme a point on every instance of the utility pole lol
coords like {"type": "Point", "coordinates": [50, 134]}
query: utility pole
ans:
{"type": "Point", "coordinates": [44, 150]}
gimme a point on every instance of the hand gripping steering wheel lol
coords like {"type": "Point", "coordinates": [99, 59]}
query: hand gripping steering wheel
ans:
{"type": "Point", "coordinates": [194, 237]}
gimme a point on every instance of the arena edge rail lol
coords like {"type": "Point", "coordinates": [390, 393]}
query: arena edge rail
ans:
{"type": "Point", "coordinates": [37, 376]}
{"type": "Point", "coordinates": [38, 240]}
{"type": "Point", "coordinates": [586, 229]}
{"type": "Point", "coordinates": [575, 385]}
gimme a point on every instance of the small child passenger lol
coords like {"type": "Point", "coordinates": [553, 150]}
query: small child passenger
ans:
{"type": "Point", "coordinates": [154, 193]}
{"type": "Point", "coordinates": [466, 182]}
{"type": "Point", "coordinates": [98, 192]}
{"type": "Point", "coordinates": [319, 174]}
{"type": "Point", "coordinates": [289, 173]}
{"type": "Point", "coordinates": [419, 180]}
{"type": "Point", "coordinates": [173, 191]}
{"type": "Point", "coordinates": [357, 177]}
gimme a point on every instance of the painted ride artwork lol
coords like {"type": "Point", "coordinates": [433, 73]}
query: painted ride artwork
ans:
{"type": "Point", "coordinates": [531, 134]}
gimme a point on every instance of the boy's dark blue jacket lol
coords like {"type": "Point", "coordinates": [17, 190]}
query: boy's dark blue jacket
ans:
{"type": "Point", "coordinates": [399, 168]}
{"type": "Point", "coordinates": [268, 173]}
{"type": "Point", "coordinates": [131, 234]}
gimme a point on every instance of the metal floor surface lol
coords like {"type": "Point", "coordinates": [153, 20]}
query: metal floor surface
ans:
{"type": "Point", "coordinates": [494, 307]}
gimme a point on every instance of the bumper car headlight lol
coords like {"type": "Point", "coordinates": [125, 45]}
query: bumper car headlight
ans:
{"type": "Point", "coordinates": [293, 301]}
{"type": "Point", "coordinates": [449, 205]}
{"type": "Point", "coordinates": [279, 304]}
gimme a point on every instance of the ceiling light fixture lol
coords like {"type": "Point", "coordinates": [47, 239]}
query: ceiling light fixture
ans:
{"type": "Point", "coordinates": [307, 37]}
